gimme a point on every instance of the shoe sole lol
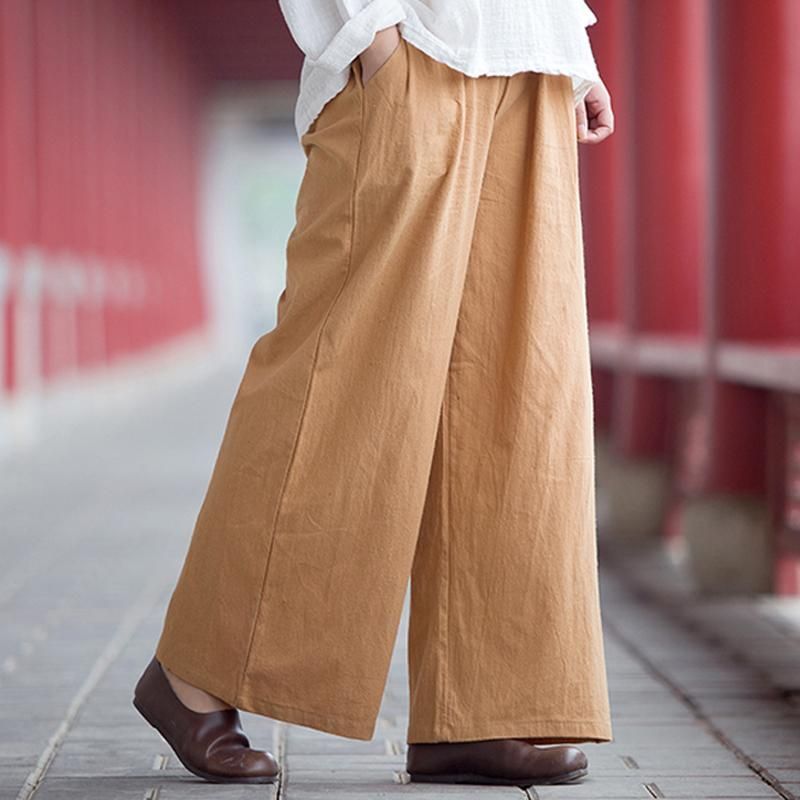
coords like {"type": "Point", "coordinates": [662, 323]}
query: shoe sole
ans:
{"type": "Point", "coordinates": [207, 776]}
{"type": "Point", "coordinates": [468, 777]}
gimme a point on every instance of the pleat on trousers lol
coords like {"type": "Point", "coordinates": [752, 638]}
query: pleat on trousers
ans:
{"type": "Point", "coordinates": [422, 410]}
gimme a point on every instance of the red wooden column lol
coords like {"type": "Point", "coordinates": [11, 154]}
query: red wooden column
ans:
{"type": "Point", "coordinates": [17, 187]}
{"type": "Point", "coordinates": [605, 181]}
{"type": "Point", "coordinates": [53, 176]}
{"type": "Point", "coordinates": [84, 237]}
{"type": "Point", "coordinates": [757, 236]}
{"type": "Point", "coordinates": [663, 404]}
{"type": "Point", "coordinates": [756, 264]}
{"type": "Point", "coordinates": [670, 168]}
{"type": "Point", "coordinates": [664, 291]}
{"type": "Point", "coordinates": [645, 194]}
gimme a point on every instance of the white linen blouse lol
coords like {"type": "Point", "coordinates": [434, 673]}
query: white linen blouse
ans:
{"type": "Point", "coordinates": [476, 37]}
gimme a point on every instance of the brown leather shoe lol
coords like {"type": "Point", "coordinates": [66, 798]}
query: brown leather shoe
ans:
{"type": "Point", "coordinates": [509, 762]}
{"type": "Point", "coordinates": [211, 745]}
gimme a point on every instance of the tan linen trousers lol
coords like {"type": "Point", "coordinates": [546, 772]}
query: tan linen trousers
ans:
{"type": "Point", "coordinates": [422, 410]}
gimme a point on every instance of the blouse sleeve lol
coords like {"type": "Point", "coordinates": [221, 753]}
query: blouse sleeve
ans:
{"type": "Point", "coordinates": [332, 33]}
{"type": "Point", "coordinates": [587, 15]}
{"type": "Point", "coordinates": [582, 85]}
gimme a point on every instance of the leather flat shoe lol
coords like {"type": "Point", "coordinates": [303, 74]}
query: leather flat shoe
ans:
{"type": "Point", "coordinates": [212, 745]}
{"type": "Point", "coordinates": [508, 762]}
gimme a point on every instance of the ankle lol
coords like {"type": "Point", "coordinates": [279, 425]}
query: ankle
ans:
{"type": "Point", "coordinates": [193, 697]}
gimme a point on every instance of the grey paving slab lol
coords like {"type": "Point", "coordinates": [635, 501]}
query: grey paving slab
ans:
{"type": "Point", "coordinates": [124, 788]}
{"type": "Point", "coordinates": [95, 529]}
{"type": "Point", "coordinates": [727, 787]}
{"type": "Point", "coordinates": [342, 790]}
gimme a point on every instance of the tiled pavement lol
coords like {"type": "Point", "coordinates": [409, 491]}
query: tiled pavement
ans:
{"type": "Point", "coordinates": [93, 527]}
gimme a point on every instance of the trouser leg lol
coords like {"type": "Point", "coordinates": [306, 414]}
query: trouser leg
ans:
{"type": "Point", "coordinates": [505, 634]}
{"type": "Point", "coordinates": [290, 596]}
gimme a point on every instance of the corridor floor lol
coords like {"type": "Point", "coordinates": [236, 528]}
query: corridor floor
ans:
{"type": "Point", "coordinates": [93, 527]}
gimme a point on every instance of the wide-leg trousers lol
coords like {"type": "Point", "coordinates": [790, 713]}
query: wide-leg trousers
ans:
{"type": "Point", "coordinates": [421, 411]}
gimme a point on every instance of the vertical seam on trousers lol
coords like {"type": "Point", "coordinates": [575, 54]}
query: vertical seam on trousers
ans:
{"type": "Point", "coordinates": [444, 621]}
{"type": "Point", "coordinates": [306, 398]}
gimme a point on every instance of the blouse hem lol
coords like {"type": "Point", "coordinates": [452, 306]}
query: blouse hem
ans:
{"type": "Point", "coordinates": [583, 79]}
{"type": "Point", "coordinates": [305, 115]}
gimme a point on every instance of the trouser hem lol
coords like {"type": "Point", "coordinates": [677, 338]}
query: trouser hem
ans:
{"type": "Point", "coordinates": [338, 726]}
{"type": "Point", "coordinates": [349, 727]}
{"type": "Point", "coordinates": [554, 730]}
